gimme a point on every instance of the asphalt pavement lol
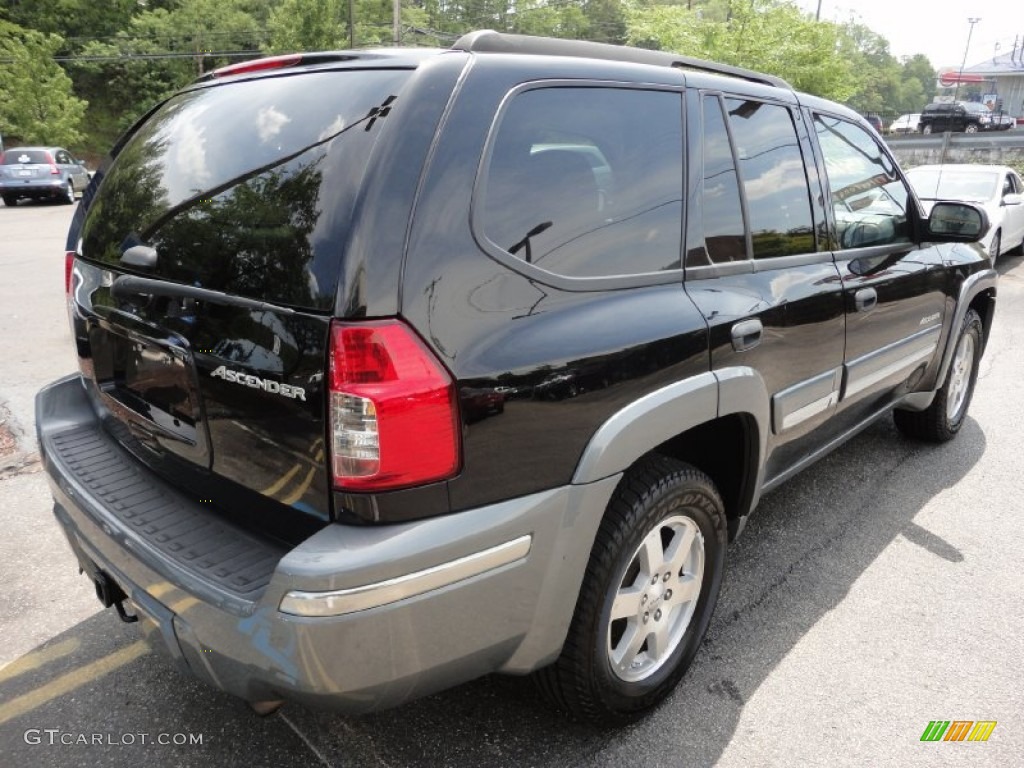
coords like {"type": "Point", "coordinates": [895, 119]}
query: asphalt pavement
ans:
{"type": "Point", "coordinates": [879, 590]}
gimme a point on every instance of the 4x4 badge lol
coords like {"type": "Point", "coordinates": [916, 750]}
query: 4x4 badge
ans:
{"type": "Point", "coordinates": [267, 385]}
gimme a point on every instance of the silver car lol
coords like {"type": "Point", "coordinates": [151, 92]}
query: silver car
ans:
{"type": "Point", "coordinates": [41, 173]}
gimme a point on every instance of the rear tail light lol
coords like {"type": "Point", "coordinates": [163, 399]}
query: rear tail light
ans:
{"type": "Point", "coordinates": [54, 170]}
{"type": "Point", "coordinates": [69, 266]}
{"type": "Point", "coordinates": [393, 414]}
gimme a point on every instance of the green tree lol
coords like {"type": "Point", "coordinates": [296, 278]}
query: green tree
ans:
{"type": "Point", "coordinates": [37, 105]}
{"type": "Point", "coordinates": [320, 25]}
{"type": "Point", "coordinates": [767, 36]}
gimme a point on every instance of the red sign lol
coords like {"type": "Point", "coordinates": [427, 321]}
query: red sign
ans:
{"type": "Point", "coordinates": [950, 77]}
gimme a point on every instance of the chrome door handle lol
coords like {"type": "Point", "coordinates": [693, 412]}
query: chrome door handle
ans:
{"type": "Point", "coordinates": [865, 299]}
{"type": "Point", "coordinates": [746, 334]}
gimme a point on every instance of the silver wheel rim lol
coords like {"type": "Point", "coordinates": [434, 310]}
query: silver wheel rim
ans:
{"type": "Point", "coordinates": [71, 192]}
{"type": "Point", "coordinates": [656, 599]}
{"type": "Point", "coordinates": [960, 376]}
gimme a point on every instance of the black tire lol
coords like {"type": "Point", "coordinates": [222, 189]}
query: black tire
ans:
{"type": "Point", "coordinates": [658, 498]}
{"type": "Point", "coordinates": [926, 129]}
{"type": "Point", "coordinates": [943, 418]}
{"type": "Point", "coordinates": [993, 249]}
{"type": "Point", "coordinates": [69, 194]}
{"type": "Point", "coordinates": [10, 201]}
{"type": "Point", "coordinates": [971, 128]}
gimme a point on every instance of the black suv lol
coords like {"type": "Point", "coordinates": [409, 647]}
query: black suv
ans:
{"type": "Point", "coordinates": [962, 116]}
{"type": "Point", "coordinates": [400, 368]}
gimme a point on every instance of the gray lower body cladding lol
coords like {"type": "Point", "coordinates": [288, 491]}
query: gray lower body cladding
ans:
{"type": "Point", "coordinates": [215, 624]}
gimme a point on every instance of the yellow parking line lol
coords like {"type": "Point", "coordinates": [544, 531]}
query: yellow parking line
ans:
{"type": "Point", "coordinates": [66, 683]}
{"type": "Point", "coordinates": [35, 659]}
{"type": "Point", "coordinates": [301, 490]}
{"type": "Point", "coordinates": [282, 482]}
{"type": "Point", "coordinates": [183, 605]}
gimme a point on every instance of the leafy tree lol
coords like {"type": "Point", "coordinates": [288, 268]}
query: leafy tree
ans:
{"type": "Point", "coordinates": [772, 37]}
{"type": "Point", "coordinates": [319, 25]}
{"type": "Point", "coordinates": [36, 102]}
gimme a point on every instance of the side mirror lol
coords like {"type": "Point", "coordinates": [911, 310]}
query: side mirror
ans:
{"type": "Point", "coordinates": [1013, 199]}
{"type": "Point", "coordinates": [957, 223]}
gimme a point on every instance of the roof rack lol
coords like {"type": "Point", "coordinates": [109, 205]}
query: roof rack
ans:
{"type": "Point", "coordinates": [489, 41]}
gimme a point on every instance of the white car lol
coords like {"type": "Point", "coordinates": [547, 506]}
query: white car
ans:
{"type": "Point", "coordinates": [906, 124]}
{"type": "Point", "coordinates": [997, 188]}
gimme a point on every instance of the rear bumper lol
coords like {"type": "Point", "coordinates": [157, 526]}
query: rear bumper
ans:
{"type": "Point", "coordinates": [511, 616]}
{"type": "Point", "coordinates": [35, 188]}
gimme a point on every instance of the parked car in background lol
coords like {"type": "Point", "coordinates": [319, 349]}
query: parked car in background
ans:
{"type": "Point", "coordinates": [997, 188]}
{"type": "Point", "coordinates": [906, 123]}
{"type": "Point", "coordinates": [1002, 121]}
{"type": "Point", "coordinates": [41, 173]}
{"type": "Point", "coordinates": [961, 116]}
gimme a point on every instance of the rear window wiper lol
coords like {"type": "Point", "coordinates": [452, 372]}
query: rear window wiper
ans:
{"type": "Point", "coordinates": [130, 285]}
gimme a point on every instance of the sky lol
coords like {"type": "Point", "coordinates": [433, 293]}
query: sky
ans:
{"type": "Point", "coordinates": [932, 28]}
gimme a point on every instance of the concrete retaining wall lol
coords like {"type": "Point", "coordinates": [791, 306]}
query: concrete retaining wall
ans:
{"type": "Point", "coordinates": [952, 148]}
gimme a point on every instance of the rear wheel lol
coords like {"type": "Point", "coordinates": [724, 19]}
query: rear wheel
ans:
{"type": "Point", "coordinates": [10, 200]}
{"type": "Point", "coordinates": [69, 194]}
{"type": "Point", "coordinates": [647, 596]}
{"type": "Point", "coordinates": [971, 128]}
{"type": "Point", "coordinates": [926, 129]}
{"type": "Point", "coordinates": [943, 418]}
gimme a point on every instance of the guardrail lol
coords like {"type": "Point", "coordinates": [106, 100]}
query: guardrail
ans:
{"type": "Point", "coordinates": [995, 147]}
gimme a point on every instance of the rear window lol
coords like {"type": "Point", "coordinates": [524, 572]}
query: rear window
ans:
{"type": "Point", "coordinates": [25, 157]}
{"type": "Point", "coordinates": [246, 187]}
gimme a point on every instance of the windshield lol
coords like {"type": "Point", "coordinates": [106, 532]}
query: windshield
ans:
{"type": "Point", "coordinates": [976, 186]}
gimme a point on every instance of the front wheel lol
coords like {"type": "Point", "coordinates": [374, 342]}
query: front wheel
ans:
{"type": "Point", "coordinates": [942, 420]}
{"type": "Point", "coordinates": [971, 128]}
{"type": "Point", "coordinates": [993, 249]}
{"type": "Point", "coordinates": [647, 595]}
{"type": "Point", "coordinates": [926, 129]}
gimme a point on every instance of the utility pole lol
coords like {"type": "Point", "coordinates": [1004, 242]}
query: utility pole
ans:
{"type": "Point", "coordinates": [972, 22]}
{"type": "Point", "coordinates": [817, 16]}
{"type": "Point", "coordinates": [351, 24]}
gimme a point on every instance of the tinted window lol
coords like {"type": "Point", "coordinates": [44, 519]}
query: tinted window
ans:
{"type": "Point", "coordinates": [774, 179]}
{"type": "Point", "coordinates": [25, 157]}
{"type": "Point", "coordinates": [724, 235]}
{"type": "Point", "coordinates": [868, 197]}
{"type": "Point", "coordinates": [246, 187]}
{"type": "Point", "coordinates": [587, 182]}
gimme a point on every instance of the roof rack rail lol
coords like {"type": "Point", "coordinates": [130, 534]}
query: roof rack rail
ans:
{"type": "Point", "coordinates": [489, 41]}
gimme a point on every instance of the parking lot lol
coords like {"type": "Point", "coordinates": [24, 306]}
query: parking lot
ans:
{"type": "Point", "coordinates": [877, 591]}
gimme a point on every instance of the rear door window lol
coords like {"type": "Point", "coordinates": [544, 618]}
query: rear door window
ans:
{"type": "Point", "coordinates": [586, 181]}
{"type": "Point", "coordinates": [234, 184]}
{"type": "Point", "coordinates": [773, 177]}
